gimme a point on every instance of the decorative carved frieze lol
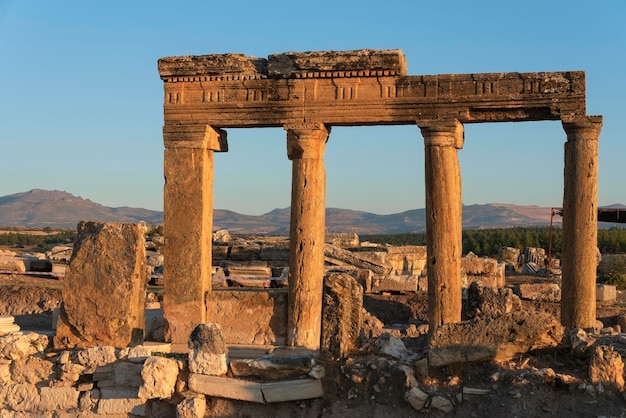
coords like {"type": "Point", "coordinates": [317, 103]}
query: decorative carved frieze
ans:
{"type": "Point", "coordinates": [354, 88]}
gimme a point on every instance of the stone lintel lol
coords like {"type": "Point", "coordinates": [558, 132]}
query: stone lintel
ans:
{"type": "Point", "coordinates": [365, 61]}
{"type": "Point", "coordinates": [195, 137]}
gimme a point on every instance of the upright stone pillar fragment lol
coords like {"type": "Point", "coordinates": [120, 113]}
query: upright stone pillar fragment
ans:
{"type": "Point", "coordinates": [305, 147]}
{"type": "Point", "coordinates": [580, 221]}
{"type": "Point", "coordinates": [188, 223]}
{"type": "Point", "coordinates": [104, 288]}
{"type": "Point", "coordinates": [443, 139]}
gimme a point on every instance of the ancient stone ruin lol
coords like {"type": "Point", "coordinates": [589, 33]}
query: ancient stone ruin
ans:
{"type": "Point", "coordinates": [229, 337]}
{"type": "Point", "coordinates": [306, 94]}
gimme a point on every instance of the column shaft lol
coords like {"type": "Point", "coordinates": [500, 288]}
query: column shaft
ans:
{"type": "Point", "coordinates": [442, 140]}
{"type": "Point", "coordinates": [580, 222]}
{"type": "Point", "coordinates": [305, 147]}
{"type": "Point", "coordinates": [188, 223]}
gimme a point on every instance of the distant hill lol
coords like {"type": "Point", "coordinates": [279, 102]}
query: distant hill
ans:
{"type": "Point", "coordinates": [58, 209]}
{"type": "Point", "coordinates": [52, 208]}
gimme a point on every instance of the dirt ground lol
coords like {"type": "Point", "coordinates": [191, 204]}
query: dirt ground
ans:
{"type": "Point", "coordinates": [551, 383]}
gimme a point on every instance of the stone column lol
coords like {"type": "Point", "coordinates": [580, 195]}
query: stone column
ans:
{"type": "Point", "coordinates": [305, 147]}
{"type": "Point", "coordinates": [188, 223]}
{"type": "Point", "coordinates": [442, 140]}
{"type": "Point", "coordinates": [580, 222]}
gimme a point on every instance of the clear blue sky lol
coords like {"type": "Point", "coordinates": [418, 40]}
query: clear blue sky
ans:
{"type": "Point", "coordinates": [81, 99]}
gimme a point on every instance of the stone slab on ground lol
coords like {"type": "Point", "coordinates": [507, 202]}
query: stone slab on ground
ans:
{"type": "Point", "coordinates": [540, 292]}
{"type": "Point", "coordinates": [496, 339]}
{"type": "Point", "coordinates": [224, 387]}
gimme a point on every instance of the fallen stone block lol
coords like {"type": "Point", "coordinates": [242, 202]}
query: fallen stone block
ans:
{"type": "Point", "coordinates": [159, 376]}
{"type": "Point", "coordinates": [20, 345]}
{"type": "Point", "coordinates": [121, 401]}
{"type": "Point", "coordinates": [223, 387]}
{"type": "Point", "coordinates": [496, 339]}
{"type": "Point", "coordinates": [191, 408]}
{"type": "Point", "coordinates": [208, 352]}
{"type": "Point", "coordinates": [484, 301]}
{"type": "Point", "coordinates": [13, 264]}
{"type": "Point", "coordinates": [58, 398]}
{"type": "Point", "coordinates": [273, 368]}
{"type": "Point", "coordinates": [402, 284]}
{"type": "Point", "coordinates": [416, 398]}
{"type": "Point", "coordinates": [605, 293]}
{"type": "Point", "coordinates": [541, 292]}
{"type": "Point", "coordinates": [20, 397]}
{"type": "Point", "coordinates": [93, 357]}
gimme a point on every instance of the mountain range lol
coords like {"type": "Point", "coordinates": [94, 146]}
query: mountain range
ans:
{"type": "Point", "coordinates": [58, 209]}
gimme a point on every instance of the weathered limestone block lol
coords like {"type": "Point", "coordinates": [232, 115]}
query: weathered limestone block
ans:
{"type": "Point", "coordinates": [273, 368]}
{"type": "Point", "coordinates": [13, 264]}
{"type": "Point", "coordinates": [70, 372]}
{"type": "Point", "coordinates": [5, 371]}
{"type": "Point", "coordinates": [605, 293]}
{"type": "Point", "coordinates": [60, 253]}
{"type": "Point", "coordinates": [222, 236]}
{"type": "Point", "coordinates": [341, 315]}
{"type": "Point", "coordinates": [32, 370]}
{"type": "Point", "coordinates": [127, 374]}
{"type": "Point", "coordinates": [343, 240]}
{"type": "Point", "coordinates": [93, 357]}
{"type": "Point", "coordinates": [495, 339]}
{"type": "Point", "coordinates": [191, 407]}
{"type": "Point", "coordinates": [263, 316]}
{"type": "Point", "coordinates": [391, 346]}
{"type": "Point", "coordinates": [208, 353]}
{"type": "Point", "coordinates": [58, 398]}
{"type": "Point", "coordinates": [289, 64]}
{"type": "Point", "coordinates": [487, 270]}
{"type": "Point", "coordinates": [354, 259]}
{"type": "Point", "coordinates": [120, 401]}
{"type": "Point", "coordinates": [20, 397]}
{"type": "Point", "coordinates": [159, 376]}
{"type": "Point", "coordinates": [441, 403]}
{"type": "Point", "coordinates": [390, 283]}
{"type": "Point", "coordinates": [543, 292]}
{"type": "Point", "coordinates": [485, 302]}
{"type": "Point", "coordinates": [21, 345]}
{"type": "Point", "coordinates": [245, 390]}
{"type": "Point", "coordinates": [509, 255]}
{"type": "Point", "coordinates": [607, 367]}
{"type": "Point", "coordinates": [104, 287]}
{"type": "Point", "coordinates": [213, 64]}
{"type": "Point", "coordinates": [416, 398]}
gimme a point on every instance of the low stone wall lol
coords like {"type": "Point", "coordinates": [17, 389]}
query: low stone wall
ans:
{"type": "Point", "coordinates": [249, 316]}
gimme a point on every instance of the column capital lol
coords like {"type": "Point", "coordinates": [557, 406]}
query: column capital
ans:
{"type": "Point", "coordinates": [307, 140]}
{"type": "Point", "coordinates": [195, 137]}
{"type": "Point", "coordinates": [442, 133]}
{"type": "Point", "coordinates": [582, 127]}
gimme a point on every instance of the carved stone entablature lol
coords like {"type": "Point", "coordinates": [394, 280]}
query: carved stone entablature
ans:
{"type": "Point", "coordinates": [349, 88]}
